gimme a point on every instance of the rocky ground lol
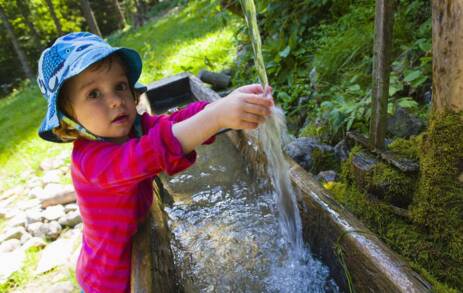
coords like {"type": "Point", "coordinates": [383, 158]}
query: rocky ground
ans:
{"type": "Point", "coordinates": [40, 231]}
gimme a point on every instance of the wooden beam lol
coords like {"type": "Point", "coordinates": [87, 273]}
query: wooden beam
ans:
{"type": "Point", "coordinates": [384, 21]}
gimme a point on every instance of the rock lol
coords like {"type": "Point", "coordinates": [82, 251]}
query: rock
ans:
{"type": "Point", "coordinates": [362, 167]}
{"type": "Point", "coordinates": [17, 221]}
{"type": "Point", "coordinates": [2, 214]}
{"type": "Point", "coordinates": [51, 163]}
{"type": "Point", "coordinates": [342, 150]}
{"type": "Point", "coordinates": [302, 151]}
{"type": "Point", "coordinates": [402, 124]}
{"type": "Point", "coordinates": [10, 263]}
{"type": "Point", "coordinates": [71, 219]}
{"type": "Point", "coordinates": [71, 207]}
{"type": "Point", "coordinates": [34, 242]}
{"type": "Point", "coordinates": [427, 97]}
{"type": "Point", "coordinates": [52, 176]}
{"type": "Point", "coordinates": [34, 216]}
{"type": "Point", "coordinates": [12, 233]}
{"type": "Point", "coordinates": [26, 236]}
{"type": "Point", "coordinates": [50, 230]}
{"type": "Point", "coordinates": [54, 194]}
{"type": "Point", "coordinates": [327, 176]}
{"type": "Point", "coordinates": [9, 245]}
{"type": "Point", "coordinates": [55, 254]}
{"type": "Point", "coordinates": [28, 204]}
{"type": "Point", "coordinates": [37, 192]}
{"type": "Point", "coordinates": [63, 287]}
{"type": "Point", "coordinates": [52, 213]}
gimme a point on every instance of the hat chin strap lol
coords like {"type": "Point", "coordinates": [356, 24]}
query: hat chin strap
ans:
{"type": "Point", "coordinates": [90, 136]}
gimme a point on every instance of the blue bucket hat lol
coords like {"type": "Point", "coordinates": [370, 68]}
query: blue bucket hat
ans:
{"type": "Point", "coordinates": [67, 57]}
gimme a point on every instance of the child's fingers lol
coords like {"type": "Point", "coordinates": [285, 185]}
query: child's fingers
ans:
{"type": "Point", "coordinates": [252, 118]}
{"type": "Point", "coordinates": [252, 89]}
{"type": "Point", "coordinates": [257, 109]}
{"type": "Point", "coordinates": [258, 100]}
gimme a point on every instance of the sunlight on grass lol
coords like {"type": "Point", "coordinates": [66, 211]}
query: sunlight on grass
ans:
{"type": "Point", "coordinates": [190, 38]}
{"type": "Point", "coordinates": [25, 274]}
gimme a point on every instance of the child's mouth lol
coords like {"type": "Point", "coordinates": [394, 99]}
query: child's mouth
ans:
{"type": "Point", "coordinates": [120, 119]}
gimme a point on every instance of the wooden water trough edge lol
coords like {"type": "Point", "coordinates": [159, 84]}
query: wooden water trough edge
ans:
{"type": "Point", "coordinates": [334, 235]}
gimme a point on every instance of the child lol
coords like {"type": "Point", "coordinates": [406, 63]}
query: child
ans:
{"type": "Point", "coordinates": [92, 92]}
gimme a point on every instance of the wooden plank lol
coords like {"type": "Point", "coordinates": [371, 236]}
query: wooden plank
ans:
{"type": "Point", "coordinates": [384, 20]}
{"type": "Point", "coordinates": [403, 164]}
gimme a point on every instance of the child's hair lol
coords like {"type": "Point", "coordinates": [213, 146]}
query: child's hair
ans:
{"type": "Point", "coordinates": [65, 132]}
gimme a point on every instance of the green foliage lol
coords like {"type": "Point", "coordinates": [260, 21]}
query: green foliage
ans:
{"type": "Point", "coordinates": [323, 50]}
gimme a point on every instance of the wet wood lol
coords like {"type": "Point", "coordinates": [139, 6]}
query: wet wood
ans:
{"type": "Point", "coordinates": [403, 164]}
{"type": "Point", "coordinates": [153, 267]}
{"type": "Point", "coordinates": [447, 62]}
{"type": "Point", "coordinates": [384, 20]}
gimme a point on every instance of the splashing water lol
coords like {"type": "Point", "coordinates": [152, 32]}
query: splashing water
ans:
{"type": "Point", "coordinates": [270, 135]}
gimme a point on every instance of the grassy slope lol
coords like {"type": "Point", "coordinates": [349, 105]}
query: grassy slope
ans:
{"type": "Point", "coordinates": [188, 38]}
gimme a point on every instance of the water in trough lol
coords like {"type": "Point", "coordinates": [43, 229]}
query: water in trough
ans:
{"type": "Point", "coordinates": [226, 232]}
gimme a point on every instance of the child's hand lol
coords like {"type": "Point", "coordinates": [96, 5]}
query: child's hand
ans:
{"type": "Point", "coordinates": [244, 108]}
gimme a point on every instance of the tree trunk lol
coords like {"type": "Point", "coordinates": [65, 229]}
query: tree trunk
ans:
{"type": "Point", "coordinates": [25, 11]}
{"type": "Point", "coordinates": [119, 14]}
{"type": "Point", "coordinates": [55, 18]}
{"type": "Point", "coordinates": [90, 17]}
{"type": "Point", "coordinates": [139, 17]}
{"type": "Point", "coordinates": [438, 204]}
{"type": "Point", "coordinates": [21, 55]}
{"type": "Point", "coordinates": [384, 21]}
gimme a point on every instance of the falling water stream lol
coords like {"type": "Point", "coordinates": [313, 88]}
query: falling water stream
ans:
{"type": "Point", "coordinates": [231, 232]}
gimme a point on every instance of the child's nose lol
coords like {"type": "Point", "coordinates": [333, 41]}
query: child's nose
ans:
{"type": "Point", "coordinates": [115, 100]}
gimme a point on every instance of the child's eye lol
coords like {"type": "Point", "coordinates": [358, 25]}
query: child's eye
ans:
{"type": "Point", "coordinates": [122, 86]}
{"type": "Point", "coordinates": [94, 94]}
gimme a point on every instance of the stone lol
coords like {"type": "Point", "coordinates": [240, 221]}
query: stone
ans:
{"type": "Point", "coordinates": [3, 214]}
{"type": "Point", "coordinates": [9, 245]}
{"type": "Point", "coordinates": [327, 176]}
{"type": "Point", "coordinates": [341, 150]}
{"type": "Point", "coordinates": [50, 230]}
{"type": "Point", "coordinates": [52, 176]}
{"type": "Point", "coordinates": [34, 242]}
{"type": "Point", "coordinates": [18, 221]}
{"type": "Point", "coordinates": [12, 233]}
{"type": "Point", "coordinates": [26, 236]}
{"type": "Point", "coordinates": [37, 192]}
{"type": "Point", "coordinates": [28, 204]}
{"type": "Point", "coordinates": [33, 216]}
{"type": "Point", "coordinates": [403, 124]}
{"type": "Point", "coordinates": [51, 163]}
{"type": "Point", "coordinates": [54, 212]}
{"type": "Point", "coordinates": [63, 287]}
{"type": "Point", "coordinates": [10, 263]}
{"type": "Point", "coordinates": [54, 194]}
{"type": "Point", "coordinates": [55, 254]}
{"type": "Point", "coordinates": [71, 207]}
{"type": "Point", "coordinates": [71, 219]}
{"type": "Point", "coordinates": [301, 150]}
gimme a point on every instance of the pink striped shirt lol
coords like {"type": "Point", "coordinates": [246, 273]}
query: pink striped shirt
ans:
{"type": "Point", "coordinates": [113, 184]}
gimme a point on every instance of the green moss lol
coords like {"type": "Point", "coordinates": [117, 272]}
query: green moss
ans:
{"type": "Point", "coordinates": [402, 236]}
{"type": "Point", "coordinates": [323, 161]}
{"type": "Point", "coordinates": [407, 148]}
{"type": "Point", "coordinates": [438, 204]}
{"type": "Point", "coordinates": [384, 181]}
{"type": "Point", "coordinates": [391, 185]}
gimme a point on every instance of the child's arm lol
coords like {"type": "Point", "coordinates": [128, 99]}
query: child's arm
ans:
{"type": "Point", "coordinates": [244, 108]}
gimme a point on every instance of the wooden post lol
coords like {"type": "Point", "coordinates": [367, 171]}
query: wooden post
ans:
{"type": "Point", "coordinates": [384, 21]}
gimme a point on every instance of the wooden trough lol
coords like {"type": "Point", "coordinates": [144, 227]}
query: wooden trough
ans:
{"type": "Point", "coordinates": [342, 242]}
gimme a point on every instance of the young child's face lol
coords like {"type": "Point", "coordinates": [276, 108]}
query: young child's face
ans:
{"type": "Point", "coordinates": [102, 101]}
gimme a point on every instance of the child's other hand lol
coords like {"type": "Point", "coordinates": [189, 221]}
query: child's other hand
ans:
{"type": "Point", "coordinates": [244, 108]}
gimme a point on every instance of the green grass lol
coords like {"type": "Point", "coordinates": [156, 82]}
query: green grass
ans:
{"type": "Point", "coordinates": [189, 38]}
